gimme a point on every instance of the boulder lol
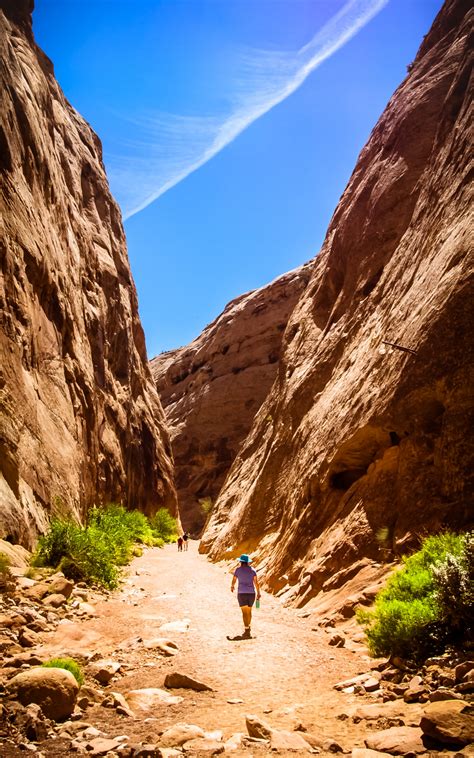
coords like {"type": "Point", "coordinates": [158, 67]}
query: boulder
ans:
{"type": "Point", "coordinates": [28, 638]}
{"type": "Point", "coordinates": [176, 680]}
{"type": "Point", "coordinates": [55, 690]}
{"type": "Point", "coordinates": [449, 721]}
{"type": "Point", "coordinates": [397, 740]}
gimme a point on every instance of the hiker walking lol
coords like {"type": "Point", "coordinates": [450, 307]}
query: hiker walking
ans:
{"type": "Point", "coordinates": [180, 544]}
{"type": "Point", "coordinates": [248, 585]}
{"type": "Point", "coordinates": [185, 540]}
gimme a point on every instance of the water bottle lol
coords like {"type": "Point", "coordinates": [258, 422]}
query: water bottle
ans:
{"type": "Point", "coordinates": [257, 603]}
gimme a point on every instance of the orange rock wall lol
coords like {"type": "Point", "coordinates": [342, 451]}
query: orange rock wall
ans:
{"type": "Point", "coordinates": [80, 419]}
{"type": "Point", "coordinates": [360, 448]}
{"type": "Point", "coordinates": [212, 388]}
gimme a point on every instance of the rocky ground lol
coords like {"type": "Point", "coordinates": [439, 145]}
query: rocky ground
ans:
{"type": "Point", "coordinates": [162, 679]}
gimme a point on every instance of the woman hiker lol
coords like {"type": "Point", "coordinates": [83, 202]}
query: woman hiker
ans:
{"type": "Point", "coordinates": [248, 584]}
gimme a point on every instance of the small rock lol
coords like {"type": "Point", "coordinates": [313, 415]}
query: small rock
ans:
{"type": "Point", "coordinates": [28, 638]}
{"type": "Point", "coordinates": [102, 746]}
{"type": "Point", "coordinates": [371, 684]}
{"type": "Point", "coordinates": [162, 645]}
{"type": "Point", "coordinates": [148, 698]}
{"type": "Point", "coordinates": [175, 680]}
{"type": "Point", "coordinates": [462, 669]}
{"type": "Point", "coordinates": [179, 734]}
{"type": "Point", "coordinates": [54, 601]}
{"type": "Point", "coordinates": [103, 671]}
{"type": "Point", "coordinates": [235, 700]}
{"type": "Point", "coordinates": [37, 592]}
{"type": "Point", "coordinates": [147, 751]}
{"type": "Point", "coordinates": [203, 745]}
{"type": "Point", "coordinates": [292, 741]}
{"type": "Point", "coordinates": [62, 586]}
{"type": "Point", "coordinates": [258, 728]}
{"type": "Point", "coordinates": [337, 640]}
{"type": "Point", "coordinates": [176, 626]}
{"type": "Point", "coordinates": [444, 694]}
{"type": "Point", "coordinates": [233, 743]}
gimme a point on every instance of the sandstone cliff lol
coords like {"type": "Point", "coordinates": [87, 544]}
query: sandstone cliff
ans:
{"type": "Point", "coordinates": [80, 419]}
{"type": "Point", "coordinates": [212, 388]}
{"type": "Point", "coordinates": [360, 447]}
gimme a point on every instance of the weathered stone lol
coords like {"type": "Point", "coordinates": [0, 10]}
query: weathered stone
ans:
{"type": "Point", "coordinates": [28, 638]}
{"type": "Point", "coordinates": [11, 620]}
{"type": "Point", "coordinates": [462, 669]}
{"type": "Point", "coordinates": [444, 694]}
{"type": "Point", "coordinates": [148, 698]}
{"type": "Point", "coordinates": [176, 680]}
{"type": "Point", "coordinates": [102, 746]}
{"type": "Point", "coordinates": [179, 734]}
{"type": "Point", "coordinates": [397, 740]}
{"type": "Point", "coordinates": [416, 695]}
{"type": "Point", "coordinates": [61, 586]}
{"type": "Point", "coordinates": [55, 690]}
{"type": "Point", "coordinates": [258, 728]}
{"type": "Point", "coordinates": [202, 745]}
{"type": "Point", "coordinates": [449, 721]}
{"type": "Point", "coordinates": [291, 741]}
{"type": "Point", "coordinates": [162, 645]}
{"type": "Point", "coordinates": [371, 684]}
{"type": "Point", "coordinates": [337, 640]}
{"type": "Point", "coordinates": [55, 600]}
{"type": "Point", "coordinates": [104, 671]}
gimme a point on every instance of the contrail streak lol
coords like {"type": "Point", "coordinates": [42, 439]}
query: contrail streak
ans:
{"type": "Point", "coordinates": [168, 148]}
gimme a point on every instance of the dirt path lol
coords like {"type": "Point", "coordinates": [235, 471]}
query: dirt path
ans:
{"type": "Point", "coordinates": [284, 675]}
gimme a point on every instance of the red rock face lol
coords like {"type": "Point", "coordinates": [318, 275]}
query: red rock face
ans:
{"type": "Point", "coordinates": [80, 419]}
{"type": "Point", "coordinates": [212, 389]}
{"type": "Point", "coordinates": [360, 448]}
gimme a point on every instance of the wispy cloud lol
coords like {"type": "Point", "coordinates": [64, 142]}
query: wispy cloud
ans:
{"type": "Point", "coordinates": [164, 149]}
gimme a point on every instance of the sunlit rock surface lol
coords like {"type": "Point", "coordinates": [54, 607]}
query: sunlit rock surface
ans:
{"type": "Point", "coordinates": [80, 419]}
{"type": "Point", "coordinates": [361, 448]}
{"type": "Point", "coordinates": [212, 388]}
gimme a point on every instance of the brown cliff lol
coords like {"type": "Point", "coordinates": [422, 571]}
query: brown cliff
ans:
{"type": "Point", "coordinates": [212, 388]}
{"type": "Point", "coordinates": [80, 419]}
{"type": "Point", "coordinates": [360, 447]}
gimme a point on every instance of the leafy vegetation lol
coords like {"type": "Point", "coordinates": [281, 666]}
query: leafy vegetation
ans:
{"type": "Point", "coordinates": [94, 552]}
{"type": "Point", "coordinates": [69, 664]}
{"type": "Point", "coordinates": [428, 603]}
{"type": "Point", "coordinates": [5, 573]}
{"type": "Point", "coordinates": [164, 526]}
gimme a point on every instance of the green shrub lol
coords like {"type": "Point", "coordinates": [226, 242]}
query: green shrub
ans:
{"type": "Point", "coordinates": [453, 579]}
{"type": "Point", "coordinates": [69, 664]}
{"type": "Point", "coordinates": [164, 525]}
{"type": "Point", "coordinates": [94, 552]}
{"type": "Point", "coordinates": [5, 573]}
{"type": "Point", "coordinates": [411, 617]}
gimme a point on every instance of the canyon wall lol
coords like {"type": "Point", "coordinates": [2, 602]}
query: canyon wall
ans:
{"type": "Point", "coordinates": [212, 389]}
{"type": "Point", "coordinates": [361, 448]}
{"type": "Point", "coordinates": [80, 418]}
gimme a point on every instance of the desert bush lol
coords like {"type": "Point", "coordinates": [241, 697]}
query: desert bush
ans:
{"type": "Point", "coordinates": [69, 664]}
{"type": "Point", "coordinates": [5, 573]}
{"type": "Point", "coordinates": [94, 552]}
{"type": "Point", "coordinates": [164, 526]}
{"type": "Point", "coordinates": [409, 618]}
{"type": "Point", "coordinates": [453, 579]}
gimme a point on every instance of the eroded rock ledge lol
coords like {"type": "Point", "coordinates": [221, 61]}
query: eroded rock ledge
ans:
{"type": "Point", "coordinates": [80, 419]}
{"type": "Point", "coordinates": [360, 447]}
{"type": "Point", "coordinates": [212, 388]}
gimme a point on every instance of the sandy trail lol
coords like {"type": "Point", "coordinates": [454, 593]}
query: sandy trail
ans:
{"type": "Point", "coordinates": [285, 674]}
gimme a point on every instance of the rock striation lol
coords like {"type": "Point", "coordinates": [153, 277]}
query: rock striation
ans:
{"type": "Point", "coordinates": [80, 419]}
{"type": "Point", "coordinates": [360, 447]}
{"type": "Point", "coordinates": [212, 388]}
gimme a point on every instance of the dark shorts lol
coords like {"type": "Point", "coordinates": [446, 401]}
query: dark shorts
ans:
{"type": "Point", "coordinates": [246, 598]}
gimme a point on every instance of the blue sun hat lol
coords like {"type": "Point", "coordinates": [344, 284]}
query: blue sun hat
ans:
{"type": "Point", "coordinates": [244, 558]}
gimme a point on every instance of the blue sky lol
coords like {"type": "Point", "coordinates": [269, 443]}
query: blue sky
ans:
{"type": "Point", "coordinates": [230, 129]}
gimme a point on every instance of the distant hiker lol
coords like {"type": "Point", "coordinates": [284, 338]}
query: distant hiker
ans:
{"type": "Point", "coordinates": [185, 540]}
{"type": "Point", "coordinates": [248, 585]}
{"type": "Point", "coordinates": [180, 544]}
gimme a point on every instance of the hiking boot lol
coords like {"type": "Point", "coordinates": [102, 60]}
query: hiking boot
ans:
{"type": "Point", "coordinates": [246, 635]}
